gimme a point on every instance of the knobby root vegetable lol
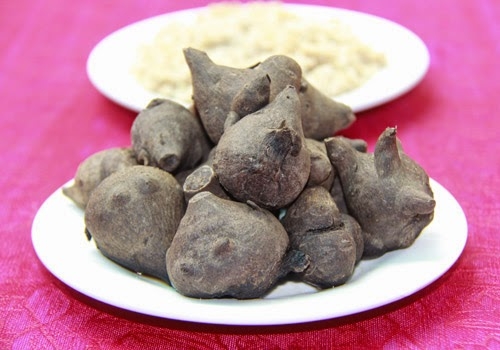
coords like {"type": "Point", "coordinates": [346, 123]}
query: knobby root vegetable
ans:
{"type": "Point", "coordinates": [133, 216]}
{"type": "Point", "coordinates": [336, 189]}
{"type": "Point", "coordinates": [316, 227]}
{"type": "Point", "coordinates": [96, 168]}
{"type": "Point", "coordinates": [386, 192]}
{"type": "Point", "coordinates": [282, 71]}
{"type": "Point", "coordinates": [263, 157]}
{"type": "Point", "coordinates": [321, 115]}
{"type": "Point", "coordinates": [250, 149]}
{"type": "Point", "coordinates": [168, 136]}
{"type": "Point", "coordinates": [219, 89]}
{"type": "Point", "coordinates": [224, 248]}
{"type": "Point", "coordinates": [322, 172]}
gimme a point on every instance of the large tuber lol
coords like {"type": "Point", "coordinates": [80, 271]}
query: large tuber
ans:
{"type": "Point", "coordinates": [387, 192]}
{"type": "Point", "coordinates": [133, 216]}
{"type": "Point", "coordinates": [263, 157]}
{"type": "Point", "coordinates": [224, 248]}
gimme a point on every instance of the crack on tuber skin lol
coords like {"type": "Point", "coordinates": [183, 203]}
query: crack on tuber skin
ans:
{"type": "Point", "coordinates": [386, 192]}
{"type": "Point", "coordinates": [282, 141]}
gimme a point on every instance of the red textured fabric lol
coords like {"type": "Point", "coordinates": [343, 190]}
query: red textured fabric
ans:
{"type": "Point", "coordinates": [52, 118]}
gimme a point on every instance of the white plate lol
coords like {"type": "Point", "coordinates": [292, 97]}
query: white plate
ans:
{"type": "Point", "coordinates": [110, 61]}
{"type": "Point", "coordinates": [60, 243]}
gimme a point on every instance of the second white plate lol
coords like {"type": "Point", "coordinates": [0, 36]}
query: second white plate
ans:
{"type": "Point", "coordinates": [60, 243]}
{"type": "Point", "coordinates": [110, 61]}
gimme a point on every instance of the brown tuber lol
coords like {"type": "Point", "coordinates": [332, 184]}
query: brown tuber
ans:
{"type": "Point", "coordinates": [322, 172]}
{"type": "Point", "coordinates": [218, 90]}
{"type": "Point", "coordinates": [282, 71]}
{"type": "Point", "coordinates": [263, 157]}
{"type": "Point", "coordinates": [321, 115]}
{"type": "Point", "coordinates": [168, 136]}
{"type": "Point", "coordinates": [386, 192]}
{"type": "Point", "coordinates": [316, 228]}
{"type": "Point", "coordinates": [201, 210]}
{"type": "Point", "coordinates": [224, 248]}
{"type": "Point", "coordinates": [96, 168]}
{"type": "Point", "coordinates": [132, 217]}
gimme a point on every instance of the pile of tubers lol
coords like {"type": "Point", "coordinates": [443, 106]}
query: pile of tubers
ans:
{"type": "Point", "coordinates": [249, 186]}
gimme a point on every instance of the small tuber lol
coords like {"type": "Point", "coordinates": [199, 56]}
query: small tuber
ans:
{"type": "Point", "coordinates": [322, 172]}
{"type": "Point", "coordinates": [96, 168]}
{"type": "Point", "coordinates": [168, 136]}
{"type": "Point", "coordinates": [316, 228]}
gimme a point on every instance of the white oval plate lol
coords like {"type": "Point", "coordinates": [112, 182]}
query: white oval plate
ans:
{"type": "Point", "coordinates": [110, 61]}
{"type": "Point", "coordinates": [60, 243]}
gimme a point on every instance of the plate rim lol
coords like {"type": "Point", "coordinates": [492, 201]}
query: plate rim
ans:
{"type": "Point", "coordinates": [99, 73]}
{"type": "Point", "coordinates": [229, 311]}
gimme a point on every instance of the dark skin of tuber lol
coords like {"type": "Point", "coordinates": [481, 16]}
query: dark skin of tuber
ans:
{"type": "Point", "coordinates": [168, 136]}
{"type": "Point", "coordinates": [217, 90]}
{"type": "Point", "coordinates": [316, 227]}
{"type": "Point", "coordinates": [322, 172]}
{"type": "Point", "coordinates": [96, 168]}
{"type": "Point", "coordinates": [263, 157]}
{"type": "Point", "coordinates": [386, 192]}
{"type": "Point", "coordinates": [229, 249]}
{"type": "Point", "coordinates": [321, 115]}
{"type": "Point", "coordinates": [133, 216]}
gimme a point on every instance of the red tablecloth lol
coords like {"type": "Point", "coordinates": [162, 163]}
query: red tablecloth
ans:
{"type": "Point", "coordinates": [52, 118]}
